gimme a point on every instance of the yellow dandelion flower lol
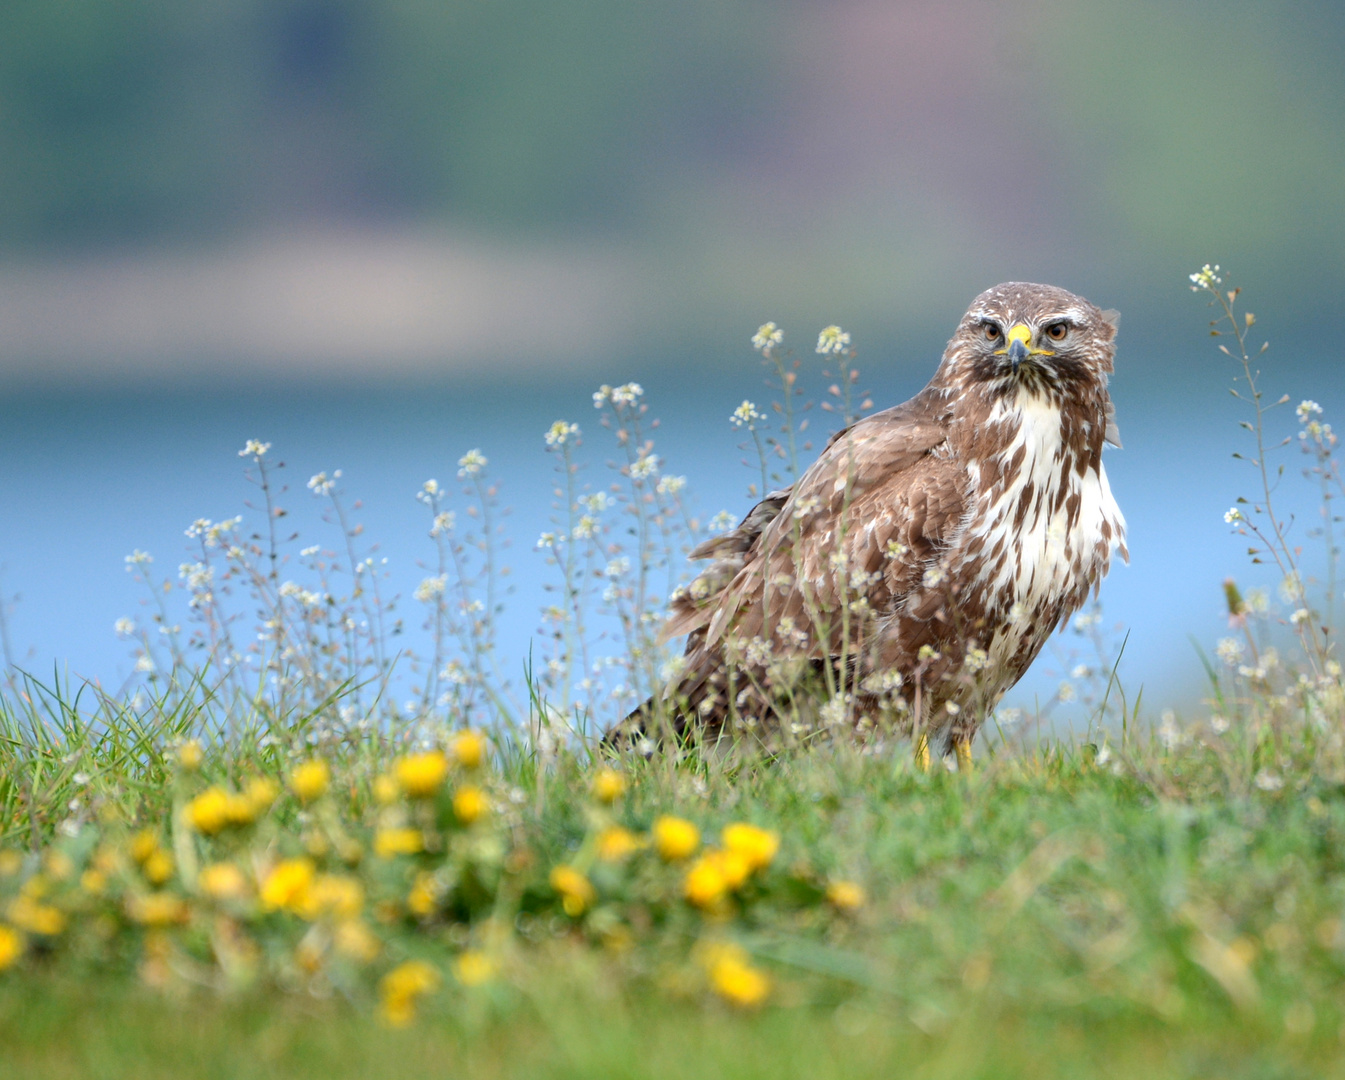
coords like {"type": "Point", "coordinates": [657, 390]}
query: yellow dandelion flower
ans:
{"type": "Point", "coordinates": [144, 844]}
{"type": "Point", "coordinates": [241, 810]}
{"type": "Point", "coordinates": [675, 838]}
{"type": "Point", "coordinates": [11, 946]}
{"type": "Point", "coordinates": [93, 882]}
{"type": "Point", "coordinates": [59, 865]}
{"type": "Point", "coordinates": [35, 917]}
{"type": "Point", "coordinates": [616, 844]}
{"type": "Point", "coordinates": [473, 968]}
{"type": "Point", "coordinates": [468, 748]}
{"type": "Point", "coordinates": [386, 789]}
{"type": "Point", "coordinates": [402, 987]}
{"type": "Point", "coordinates": [608, 786]}
{"type": "Point", "coordinates": [734, 979]}
{"type": "Point", "coordinates": [209, 812]}
{"type": "Point", "coordinates": [189, 755]}
{"type": "Point", "coordinates": [469, 803]}
{"type": "Point", "coordinates": [158, 868]}
{"type": "Point", "coordinates": [845, 896]}
{"type": "Point", "coordinates": [156, 909]}
{"type": "Point", "coordinates": [261, 791]}
{"type": "Point", "coordinates": [222, 881]}
{"type": "Point", "coordinates": [576, 891]}
{"type": "Point", "coordinates": [390, 842]}
{"type": "Point", "coordinates": [310, 779]}
{"type": "Point", "coordinates": [705, 883]}
{"type": "Point", "coordinates": [334, 895]}
{"type": "Point", "coordinates": [286, 886]}
{"type": "Point", "coordinates": [756, 846]}
{"type": "Point", "coordinates": [423, 899]}
{"type": "Point", "coordinates": [355, 940]}
{"type": "Point", "coordinates": [421, 775]}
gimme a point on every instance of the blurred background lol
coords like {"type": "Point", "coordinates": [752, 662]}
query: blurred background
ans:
{"type": "Point", "coordinates": [381, 232]}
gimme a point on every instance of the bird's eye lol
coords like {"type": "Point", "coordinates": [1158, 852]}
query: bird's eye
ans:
{"type": "Point", "coordinates": [1057, 331]}
{"type": "Point", "coordinates": [991, 331]}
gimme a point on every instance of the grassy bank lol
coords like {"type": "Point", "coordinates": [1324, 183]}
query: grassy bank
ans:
{"type": "Point", "coordinates": [293, 847]}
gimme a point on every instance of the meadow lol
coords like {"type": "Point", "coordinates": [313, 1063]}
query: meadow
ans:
{"type": "Point", "coordinates": [292, 846]}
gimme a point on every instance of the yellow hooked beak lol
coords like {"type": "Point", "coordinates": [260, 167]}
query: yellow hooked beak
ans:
{"type": "Point", "coordinates": [1018, 344]}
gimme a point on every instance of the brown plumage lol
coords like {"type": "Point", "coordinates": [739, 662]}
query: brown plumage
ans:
{"type": "Point", "coordinates": [915, 570]}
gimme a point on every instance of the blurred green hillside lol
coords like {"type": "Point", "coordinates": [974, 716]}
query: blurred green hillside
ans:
{"type": "Point", "coordinates": [856, 160]}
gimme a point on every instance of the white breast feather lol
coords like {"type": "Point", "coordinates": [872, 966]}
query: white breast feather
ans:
{"type": "Point", "coordinates": [1044, 556]}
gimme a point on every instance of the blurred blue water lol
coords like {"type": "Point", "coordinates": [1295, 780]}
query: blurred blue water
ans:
{"type": "Point", "coordinates": [86, 477]}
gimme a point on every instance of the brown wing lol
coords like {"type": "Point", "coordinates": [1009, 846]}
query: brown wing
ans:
{"type": "Point", "coordinates": [864, 520]}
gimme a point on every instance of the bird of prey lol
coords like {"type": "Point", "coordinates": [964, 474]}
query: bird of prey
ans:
{"type": "Point", "coordinates": [914, 571]}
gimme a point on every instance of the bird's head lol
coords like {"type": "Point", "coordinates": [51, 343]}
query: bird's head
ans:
{"type": "Point", "coordinates": [1023, 334]}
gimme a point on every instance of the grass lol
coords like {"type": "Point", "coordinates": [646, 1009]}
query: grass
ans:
{"type": "Point", "coordinates": [1041, 917]}
{"type": "Point", "coordinates": [259, 865]}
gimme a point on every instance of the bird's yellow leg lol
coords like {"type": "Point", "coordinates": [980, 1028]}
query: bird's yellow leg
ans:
{"type": "Point", "coordinates": [922, 752]}
{"type": "Point", "coordinates": [962, 746]}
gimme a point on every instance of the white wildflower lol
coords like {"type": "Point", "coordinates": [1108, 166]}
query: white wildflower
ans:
{"type": "Point", "coordinates": [196, 575]}
{"type": "Point", "coordinates": [254, 448]}
{"type": "Point", "coordinates": [471, 463]}
{"type": "Point", "coordinates": [1103, 756]}
{"type": "Point", "coordinates": [806, 507]}
{"type": "Point", "coordinates": [597, 502]}
{"type": "Point", "coordinates": [895, 549]}
{"type": "Point", "coordinates": [1269, 781]}
{"type": "Point", "coordinates": [1229, 650]}
{"type": "Point", "coordinates": [1307, 409]}
{"type": "Point", "coordinates": [546, 540]}
{"type": "Point", "coordinates": [559, 433]}
{"type": "Point", "coordinates": [1066, 693]}
{"type": "Point", "coordinates": [721, 522]}
{"type": "Point", "coordinates": [322, 484]}
{"type": "Point", "coordinates": [429, 490]}
{"type": "Point", "coordinates": [1081, 671]}
{"type": "Point", "coordinates": [628, 394]}
{"type": "Point", "coordinates": [1233, 516]}
{"type": "Point", "coordinates": [746, 413]}
{"type": "Point", "coordinates": [1169, 734]}
{"type": "Point", "coordinates": [431, 588]}
{"type": "Point", "coordinates": [1291, 589]}
{"type": "Point", "coordinates": [645, 467]}
{"type": "Point", "coordinates": [1218, 724]}
{"type": "Point", "coordinates": [832, 339]}
{"type": "Point", "coordinates": [586, 528]}
{"type": "Point", "coordinates": [953, 708]}
{"type": "Point", "coordinates": [145, 663]}
{"type": "Point", "coordinates": [1206, 278]}
{"type": "Point", "coordinates": [671, 485]}
{"type": "Point", "coordinates": [138, 558]}
{"type": "Point", "coordinates": [124, 627]}
{"type": "Point", "coordinates": [1008, 717]}
{"type": "Point", "coordinates": [1300, 616]}
{"type": "Point", "coordinates": [443, 522]}
{"type": "Point", "coordinates": [834, 711]}
{"type": "Point", "coordinates": [617, 567]}
{"type": "Point", "coordinates": [673, 669]}
{"type": "Point", "coordinates": [768, 336]}
{"type": "Point", "coordinates": [601, 395]}
{"type": "Point", "coordinates": [933, 577]}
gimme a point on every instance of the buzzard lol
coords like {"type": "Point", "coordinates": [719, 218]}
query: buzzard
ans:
{"type": "Point", "coordinates": [914, 571]}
